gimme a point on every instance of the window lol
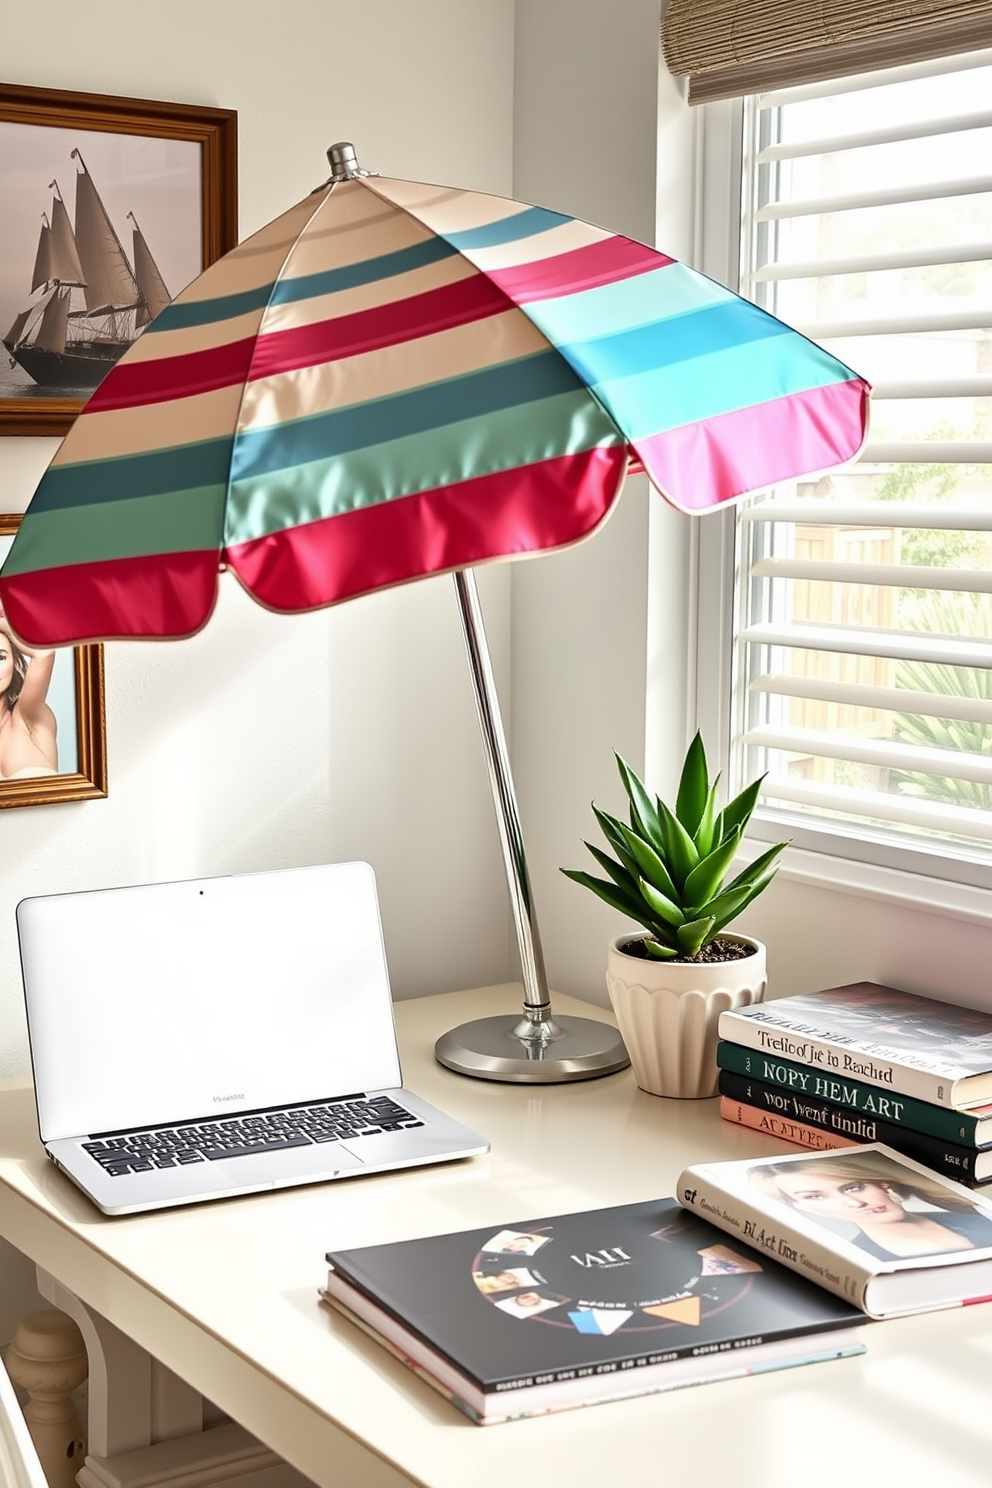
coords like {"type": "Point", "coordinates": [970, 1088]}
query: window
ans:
{"type": "Point", "coordinates": [860, 647]}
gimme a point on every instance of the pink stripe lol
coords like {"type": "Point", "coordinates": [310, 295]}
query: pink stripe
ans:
{"type": "Point", "coordinates": [583, 268]}
{"type": "Point", "coordinates": [519, 511]}
{"type": "Point", "coordinates": [167, 595]}
{"type": "Point", "coordinates": [698, 466]}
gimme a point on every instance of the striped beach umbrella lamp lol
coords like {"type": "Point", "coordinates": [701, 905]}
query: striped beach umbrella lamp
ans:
{"type": "Point", "coordinates": [393, 380]}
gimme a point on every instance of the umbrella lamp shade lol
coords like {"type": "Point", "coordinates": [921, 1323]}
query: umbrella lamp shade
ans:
{"type": "Point", "coordinates": [393, 380]}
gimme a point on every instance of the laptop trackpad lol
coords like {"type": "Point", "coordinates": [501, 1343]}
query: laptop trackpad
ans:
{"type": "Point", "coordinates": [392, 1148]}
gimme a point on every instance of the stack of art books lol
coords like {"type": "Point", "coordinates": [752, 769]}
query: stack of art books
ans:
{"type": "Point", "coordinates": [864, 1063]}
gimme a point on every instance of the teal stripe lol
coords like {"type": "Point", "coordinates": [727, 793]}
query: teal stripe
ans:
{"type": "Point", "coordinates": [639, 300]}
{"type": "Point", "coordinates": [203, 465]}
{"type": "Point", "coordinates": [513, 384]}
{"type": "Point", "coordinates": [508, 229]}
{"type": "Point", "coordinates": [720, 382]}
{"type": "Point", "coordinates": [176, 522]}
{"type": "Point", "coordinates": [182, 315]}
{"type": "Point", "coordinates": [464, 450]}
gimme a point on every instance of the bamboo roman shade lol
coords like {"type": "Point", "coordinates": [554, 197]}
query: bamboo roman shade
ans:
{"type": "Point", "coordinates": [728, 48]}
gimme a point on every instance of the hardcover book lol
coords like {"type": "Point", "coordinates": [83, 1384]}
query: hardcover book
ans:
{"type": "Point", "coordinates": [547, 1314]}
{"type": "Point", "coordinates": [898, 1041]}
{"type": "Point", "coordinates": [799, 1133]}
{"type": "Point", "coordinates": [819, 1123]}
{"type": "Point", "coordinates": [864, 1222]}
{"type": "Point", "coordinates": [968, 1126]}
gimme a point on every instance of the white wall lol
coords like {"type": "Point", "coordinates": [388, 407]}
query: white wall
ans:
{"type": "Point", "coordinates": [601, 132]}
{"type": "Point", "coordinates": [270, 740]}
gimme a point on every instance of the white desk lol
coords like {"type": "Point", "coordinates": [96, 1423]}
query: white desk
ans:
{"type": "Point", "coordinates": [225, 1295]}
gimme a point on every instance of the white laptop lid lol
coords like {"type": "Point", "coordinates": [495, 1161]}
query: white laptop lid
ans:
{"type": "Point", "coordinates": [176, 1001]}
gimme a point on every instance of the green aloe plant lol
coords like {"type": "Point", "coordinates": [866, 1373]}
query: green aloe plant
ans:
{"type": "Point", "coordinates": [670, 867]}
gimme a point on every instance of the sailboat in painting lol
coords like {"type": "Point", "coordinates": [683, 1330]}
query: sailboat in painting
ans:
{"type": "Point", "coordinates": [90, 301]}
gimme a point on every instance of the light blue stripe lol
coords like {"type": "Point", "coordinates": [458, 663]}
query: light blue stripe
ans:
{"type": "Point", "coordinates": [287, 291]}
{"type": "Point", "coordinates": [720, 382]}
{"type": "Point", "coordinates": [636, 301]}
{"type": "Point", "coordinates": [508, 229]}
{"type": "Point", "coordinates": [685, 338]}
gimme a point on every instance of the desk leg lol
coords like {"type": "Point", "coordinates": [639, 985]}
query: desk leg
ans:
{"type": "Point", "coordinates": [146, 1425]}
{"type": "Point", "coordinates": [133, 1400]}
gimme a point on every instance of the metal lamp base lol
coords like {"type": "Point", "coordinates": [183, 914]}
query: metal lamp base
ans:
{"type": "Point", "coordinates": [545, 1052]}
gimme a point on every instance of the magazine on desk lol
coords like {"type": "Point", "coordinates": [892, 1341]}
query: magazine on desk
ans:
{"type": "Point", "coordinates": [545, 1315]}
{"type": "Point", "coordinates": [895, 1040]}
{"type": "Point", "coordinates": [865, 1222]}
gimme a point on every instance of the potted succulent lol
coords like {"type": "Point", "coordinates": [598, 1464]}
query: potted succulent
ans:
{"type": "Point", "coordinates": [669, 872]}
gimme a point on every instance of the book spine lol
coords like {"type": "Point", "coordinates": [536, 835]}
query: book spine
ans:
{"type": "Point", "coordinates": [832, 1059]}
{"type": "Point", "coordinates": [821, 1085]}
{"type": "Point", "coordinates": [787, 1130]}
{"type": "Point", "coordinates": [836, 1122]}
{"type": "Point", "coordinates": [749, 1224]}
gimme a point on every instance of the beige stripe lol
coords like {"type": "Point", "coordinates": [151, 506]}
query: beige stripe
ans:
{"type": "Point", "coordinates": [368, 296]}
{"type": "Point", "coordinates": [564, 239]}
{"type": "Point", "coordinates": [335, 239]}
{"type": "Point", "coordinates": [186, 340]}
{"type": "Point", "coordinates": [392, 369]}
{"type": "Point", "coordinates": [460, 211]}
{"type": "Point", "coordinates": [447, 210]}
{"type": "Point", "coordinates": [189, 339]}
{"type": "Point", "coordinates": [256, 261]}
{"type": "Point", "coordinates": [133, 431]}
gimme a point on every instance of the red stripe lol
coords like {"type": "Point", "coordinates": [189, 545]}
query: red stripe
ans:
{"type": "Point", "coordinates": [583, 268]}
{"type": "Point", "coordinates": [467, 300]}
{"type": "Point", "coordinates": [698, 466]}
{"type": "Point", "coordinates": [129, 384]}
{"type": "Point", "coordinates": [166, 595]}
{"type": "Point", "coordinates": [519, 511]}
{"type": "Point", "coordinates": [455, 304]}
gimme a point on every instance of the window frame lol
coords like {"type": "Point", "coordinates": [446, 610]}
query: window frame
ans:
{"type": "Point", "coordinates": [939, 880]}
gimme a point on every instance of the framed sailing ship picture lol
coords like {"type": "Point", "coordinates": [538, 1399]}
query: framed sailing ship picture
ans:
{"type": "Point", "coordinates": [111, 206]}
{"type": "Point", "coordinates": [53, 734]}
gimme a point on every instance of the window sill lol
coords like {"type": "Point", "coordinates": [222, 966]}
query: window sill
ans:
{"type": "Point", "coordinates": [955, 901]}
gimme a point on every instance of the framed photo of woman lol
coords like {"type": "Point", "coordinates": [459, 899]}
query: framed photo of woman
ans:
{"type": "Point", "coordinates": [53, 736]}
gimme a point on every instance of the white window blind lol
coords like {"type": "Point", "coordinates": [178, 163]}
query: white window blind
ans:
{"type": "Point", "coordinates": [863, 635]}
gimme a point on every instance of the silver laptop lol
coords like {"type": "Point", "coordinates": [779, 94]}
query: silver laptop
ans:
{"type": "Point", "coordinates": [220, 1036]}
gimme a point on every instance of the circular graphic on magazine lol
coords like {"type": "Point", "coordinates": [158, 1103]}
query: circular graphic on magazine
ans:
{"type": "Point", "coordinates": [582, 1275]}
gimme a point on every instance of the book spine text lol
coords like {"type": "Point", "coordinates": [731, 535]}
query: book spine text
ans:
{"type": "Point", "coordinates": [808, 1081]}
{"type": "Point", "coordinates": [841, 1126]}
{"type": "Point", "coordinates": [787, 1130]}
{"type": "Point", "coordinates": [834, 1061]}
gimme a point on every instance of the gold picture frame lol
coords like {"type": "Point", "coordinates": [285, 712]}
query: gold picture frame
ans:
{"type": "Point", "coordinates": [180, 160]}
{"type": "Point", "coordinates": [80, 714]}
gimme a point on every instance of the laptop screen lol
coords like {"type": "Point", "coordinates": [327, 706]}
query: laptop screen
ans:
{"type": "Point", "coordinates": [178, 1001]}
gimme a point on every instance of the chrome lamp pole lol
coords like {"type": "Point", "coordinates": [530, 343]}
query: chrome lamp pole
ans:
{"type": "Point", "coordinates": [533, 1048]}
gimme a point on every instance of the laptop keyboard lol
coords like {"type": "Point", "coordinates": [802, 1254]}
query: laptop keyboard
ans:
{"type": "Point", "coordinates": [244, 1136]}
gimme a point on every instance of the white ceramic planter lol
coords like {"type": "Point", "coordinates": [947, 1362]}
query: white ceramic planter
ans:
{"type": "Point", "coordinates": [668, 1013]}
